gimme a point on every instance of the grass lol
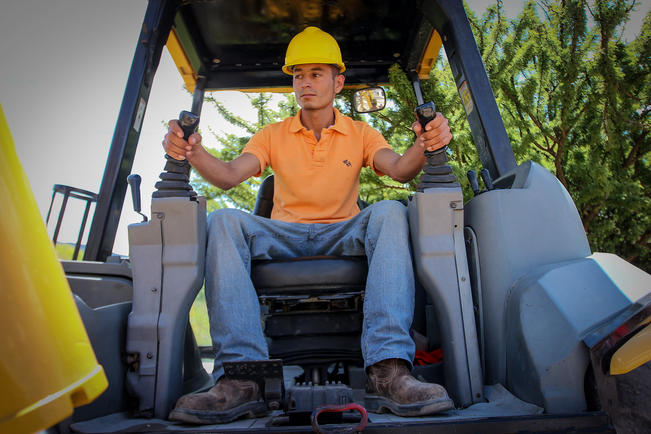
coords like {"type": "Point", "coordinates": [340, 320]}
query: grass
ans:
{"type": "Point", "coordinates": [65, 251]}
{"type": "Point", "coordinates": [199, 320]}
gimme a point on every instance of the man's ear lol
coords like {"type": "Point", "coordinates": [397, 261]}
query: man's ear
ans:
{"type": "Point", "coordinates": [339, 83]}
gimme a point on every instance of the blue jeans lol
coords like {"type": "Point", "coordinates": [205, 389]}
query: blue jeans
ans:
{"type": "Point", "coordinates": [380, 231]}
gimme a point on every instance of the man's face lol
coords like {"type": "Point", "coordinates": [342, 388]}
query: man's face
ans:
{"type": "Point", "coordinates": [316, 84]}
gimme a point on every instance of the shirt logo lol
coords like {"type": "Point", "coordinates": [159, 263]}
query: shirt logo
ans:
{"type": "Point", "coordinates": [347, 163]}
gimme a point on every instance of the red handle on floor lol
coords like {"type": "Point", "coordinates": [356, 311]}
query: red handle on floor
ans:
{"type": "Point", "coordinates": [339, 409]}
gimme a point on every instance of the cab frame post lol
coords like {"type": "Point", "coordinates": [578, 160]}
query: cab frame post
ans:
{"type": "Point", "coordinates": [492, 143]}
{"type": "Point", "coordinates": [153, 36]}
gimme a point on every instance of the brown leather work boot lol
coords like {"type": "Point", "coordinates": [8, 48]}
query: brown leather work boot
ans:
{"type": "Point", "coordinates": [226, 401]}
{"type": "Point", "coordinates": [391, 387]}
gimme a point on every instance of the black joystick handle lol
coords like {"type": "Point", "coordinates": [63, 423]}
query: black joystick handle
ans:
{"type": "Point", "coordinates": [189, 123]}
{"type": "Point", "coordinates": [425, 113]}
{"type": "Point", "coordinates": [436, 172]}
{"type": "Point", "coordinates": [134, 182]}
{"type": "Point", "coordinates": [175, 180]}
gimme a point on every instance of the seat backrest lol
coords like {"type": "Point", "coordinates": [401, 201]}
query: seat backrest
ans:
{"type": "Point", "coordinates": [264, 202]}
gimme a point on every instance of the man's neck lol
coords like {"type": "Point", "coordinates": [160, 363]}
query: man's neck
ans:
{"type": "Point", "coordinates": [316, 120]}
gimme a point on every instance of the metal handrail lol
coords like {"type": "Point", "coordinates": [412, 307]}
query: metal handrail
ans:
{"type": "Point", "coordinates": [76, 193]}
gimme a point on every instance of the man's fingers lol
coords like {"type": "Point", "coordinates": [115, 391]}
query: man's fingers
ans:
{"type": "Point", "coordinates": [174, 144]}
{"type": "Point", "coordinates": [440, 130]}
{"type": "Point", "coordinates": [436, 134]}
{"type": "Point", "coordinates": [175, 128]}
{"type": "Point", "coordinates": [174, 153]}
{"type": "Point", "coordinates": [172, 147]}
{"type": "Point", "coordinates": [194, 139]}
{"type": "Point", "coordinates": [418, 130]}
{"type": "Point", "coordinates": [436, 122]}
{"type": "Point", "coordinates": [437, 141]}
{"type": "Point", "coordinates": [177, 140]}
{"type": "Point", "coordinates": [439, 123]}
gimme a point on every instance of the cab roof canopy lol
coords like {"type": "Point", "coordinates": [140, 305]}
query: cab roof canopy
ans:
{"type": "Point", "coordinates": [227, 44]}
{"type": "Point", "coordinates": [241, 44]}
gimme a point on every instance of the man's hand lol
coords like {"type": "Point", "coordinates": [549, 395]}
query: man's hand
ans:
{"type": "Point", "coordinates": [178, 148]}
{"type": "Point", "coordinates": [436, 135]}
{"type": "Point", "coordinates": [405, 168]}
{"type": "Point", "coordinates": [219, 173]}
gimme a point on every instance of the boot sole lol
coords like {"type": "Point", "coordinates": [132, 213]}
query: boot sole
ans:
{"type": "Point", "coordinates": [379, 404]}
{"type": "Point", "coordinates": [249, 410]}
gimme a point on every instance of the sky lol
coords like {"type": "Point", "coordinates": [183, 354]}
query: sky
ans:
{"type": "Point", "coordinates": [63, 68]}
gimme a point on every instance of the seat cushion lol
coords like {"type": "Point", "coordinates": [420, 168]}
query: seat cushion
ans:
{"type": "Point", "coordinates": [309, 275]}
{"type": "Point", "coordinates": [301, 324]}
{"type": "Point", "coordinates": [317, 350]}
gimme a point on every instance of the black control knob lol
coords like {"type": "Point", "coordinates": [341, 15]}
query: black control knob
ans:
{"type": "Point", "coordinates": [474, 183]}
{"type": "Point", "coordinates": [486, 177]}
{"type": "Point", "coordinates": [134, 181]}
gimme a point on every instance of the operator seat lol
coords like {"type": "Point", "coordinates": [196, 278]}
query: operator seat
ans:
{"type": "Point", "coordinates": [312, 306]}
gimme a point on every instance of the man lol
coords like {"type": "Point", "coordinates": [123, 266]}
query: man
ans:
{"type": "Point", "coordinates": [316, 157]}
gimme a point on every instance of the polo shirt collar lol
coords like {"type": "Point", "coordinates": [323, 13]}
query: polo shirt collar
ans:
{"type": "Point", "coordinates": [340, 124]}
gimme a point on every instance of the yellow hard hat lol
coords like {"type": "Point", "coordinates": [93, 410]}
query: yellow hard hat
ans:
{"type": "Point", "coordinates": [312, 45]}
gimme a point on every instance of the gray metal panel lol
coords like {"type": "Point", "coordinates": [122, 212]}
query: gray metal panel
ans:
{"type": "Point", "coordinates": [99, 283]}
{"type": "Point", "coordinates": [168, 255]}
{"type": "Point", "coordinates": [436, 225]}
{"type": "Point", "coordinates": [502, 412]}
{"type": "Point", "coordinates": [518, 230]}
{"type": "Point", "coordinates": [634, 283]}
{"type": "Point", "coordinates": [106, 327]}
{"type": "Point", "coordinates": [119, 268]}
{"type": "Point", "coordinates": [145, 251]}
{"type": "Point", "coordinates": [475, 284]}
{"type": "Point", "coordinates": [101, 291]}
{"type": "Point", "coordinates": [183, 262]}
{"type": "Point", "coordinates": [550, 311]}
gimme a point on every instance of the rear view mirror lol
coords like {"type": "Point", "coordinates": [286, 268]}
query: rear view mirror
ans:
{"type": "Point", "coordinates": [369, 99]}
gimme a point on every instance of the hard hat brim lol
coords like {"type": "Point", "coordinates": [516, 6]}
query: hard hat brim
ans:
{"type": "Point", "coordinates": [288, 69]}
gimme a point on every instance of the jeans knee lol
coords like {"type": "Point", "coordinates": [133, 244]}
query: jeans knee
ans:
{"type": "Point", "coordinates": [225, 219]}
{"type": "Point", "coordinates": [390, 211]}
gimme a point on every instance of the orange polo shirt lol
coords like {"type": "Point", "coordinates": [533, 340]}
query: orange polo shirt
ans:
{"type": "Point", "coordinates": [316, 182]}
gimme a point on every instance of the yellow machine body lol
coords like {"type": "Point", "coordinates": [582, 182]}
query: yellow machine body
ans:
{"type": "Point", "coordinates": [636, 352]}
{"type": "Point", "coordinates": [47, 364]}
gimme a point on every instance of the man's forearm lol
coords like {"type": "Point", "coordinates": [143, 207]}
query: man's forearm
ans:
{"type": "Point", "coordinates": [224, 175]}
{"type": "Point", "coordinates": [406, 167]}
{"type": "Point", "coordinates": [409, 165]}
{"type": "Point", "coordinates": [214, 170]}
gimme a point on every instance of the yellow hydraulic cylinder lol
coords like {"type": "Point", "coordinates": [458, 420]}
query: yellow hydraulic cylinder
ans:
{"type": "Point", "coordinates": [635, 352]}
{"type": "Point", "coordinates": [47, 365]}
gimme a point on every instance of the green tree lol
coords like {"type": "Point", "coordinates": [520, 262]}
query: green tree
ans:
{"type": "Point", "coordinates": [395, 123]}
{"type": "Point", "coordinates": [575, 98]}
{"type": "Point", "coordinates": [573, 95]}
{"type": "Point", "coordinates": [231, 145]}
